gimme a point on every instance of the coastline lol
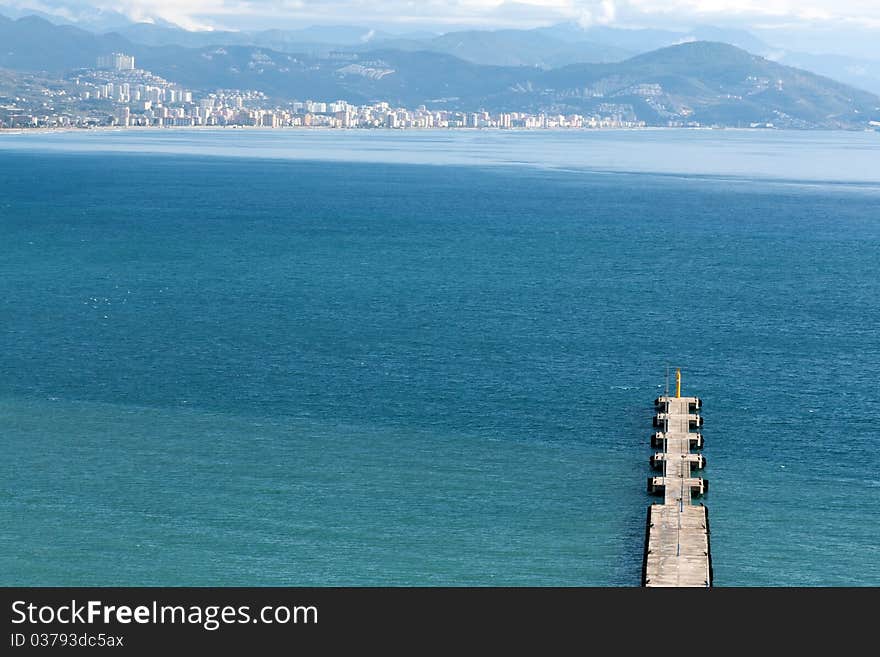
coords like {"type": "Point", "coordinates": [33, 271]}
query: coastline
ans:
{"type": "Point", "coordinates": [469, 130]}
{"type": "Point", "coordinates": [246, 128]}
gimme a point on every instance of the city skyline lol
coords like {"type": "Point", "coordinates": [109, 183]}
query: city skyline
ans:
{"type": "Point", "coordinates": [127, 96]}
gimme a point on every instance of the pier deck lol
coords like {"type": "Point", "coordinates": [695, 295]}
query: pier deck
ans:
{"type": "Point", "coordinates": [677, 535]}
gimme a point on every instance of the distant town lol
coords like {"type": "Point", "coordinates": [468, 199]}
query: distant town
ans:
{"type": "Point", "coordinates": [117, 94]}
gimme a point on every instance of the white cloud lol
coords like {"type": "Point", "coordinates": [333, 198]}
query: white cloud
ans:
{"type": "Point", "coordinates": [488, 13]}
{"type": "Point", "coordinates": [800, 11]}
{"type": "Point", "coordinates": [604, 14]}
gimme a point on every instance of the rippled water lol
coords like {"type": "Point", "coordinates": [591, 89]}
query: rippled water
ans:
{"type": "Point", "coordinates": [247, 357]}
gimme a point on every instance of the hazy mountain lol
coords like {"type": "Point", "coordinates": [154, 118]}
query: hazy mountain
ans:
{"type": "Point", "coordinates": [60, 12]}
{"type": "Point", "coordinates": [633, 40]}
{"type": "Point", "coordinates": [740, 38]}
{"type": "Point", "coordinates": [861, 73]}
{"type": "Point", "coordinates": [550, 47]}
{"type": "Point", "coordinates": [644, 40]}
{"type": "Point", "coordinates": [521, 48]}
{"type": "Point", "coordinates": [566, 43]}
{"type": "Point", "coordinates": [710, 83]}
{"type": "Point", "coordinates": [154, 35]}
{"type": "Point", "coordinates": [855, 39]}
{"type": "Point", "coordinates": [497, 47]}
{"type": "Point", "coordinates": [404, 78]}
{"type": "Point", "coordinates": [697, 81]}
{"type": "Point", "coordinates": [34, 44]}
{"type": "Point", "coordinates": [149, 34]}
{"type": "Point", "coordinates": [316, 38]}
{"type": "Point", "coordinates": [345, 35]}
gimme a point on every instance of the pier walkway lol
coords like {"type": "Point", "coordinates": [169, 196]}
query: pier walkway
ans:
{"type": "Point", "coordinates": [677, 535]}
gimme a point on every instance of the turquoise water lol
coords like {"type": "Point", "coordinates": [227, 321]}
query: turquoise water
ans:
{"type": "Point", "coordinates": [429, 358]}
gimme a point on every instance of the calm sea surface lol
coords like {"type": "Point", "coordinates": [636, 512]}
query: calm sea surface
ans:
{"type": "Point", "coordinates": [323, 358]}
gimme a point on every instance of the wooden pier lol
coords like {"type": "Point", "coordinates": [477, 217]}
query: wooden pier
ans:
{"type": "Point", "coordinates": [677, 534]}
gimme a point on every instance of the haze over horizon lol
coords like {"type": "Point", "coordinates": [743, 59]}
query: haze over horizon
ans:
{"type": "Point", "coordinates": [847, 27]}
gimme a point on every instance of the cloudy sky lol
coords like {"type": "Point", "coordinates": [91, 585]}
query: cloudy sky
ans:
{"type": "Point", "coordinates": [760, 14]}
{"type": "Point", "coordinates": [851, 26]}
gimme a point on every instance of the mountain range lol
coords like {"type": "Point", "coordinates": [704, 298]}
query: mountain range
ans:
{"type": "Point", "coordinates": [692, 81]}
{"type": "Point", "coordinates": [545, 47]}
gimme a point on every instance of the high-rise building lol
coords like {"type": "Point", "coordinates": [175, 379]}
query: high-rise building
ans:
{"type": "Point", "coordinates": [123, 116]}
{"type": "Point", "coordinates": [117, 61]}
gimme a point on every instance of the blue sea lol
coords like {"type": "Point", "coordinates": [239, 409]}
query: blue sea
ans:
{"type": "Point", "coordinates": [245, 357]}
